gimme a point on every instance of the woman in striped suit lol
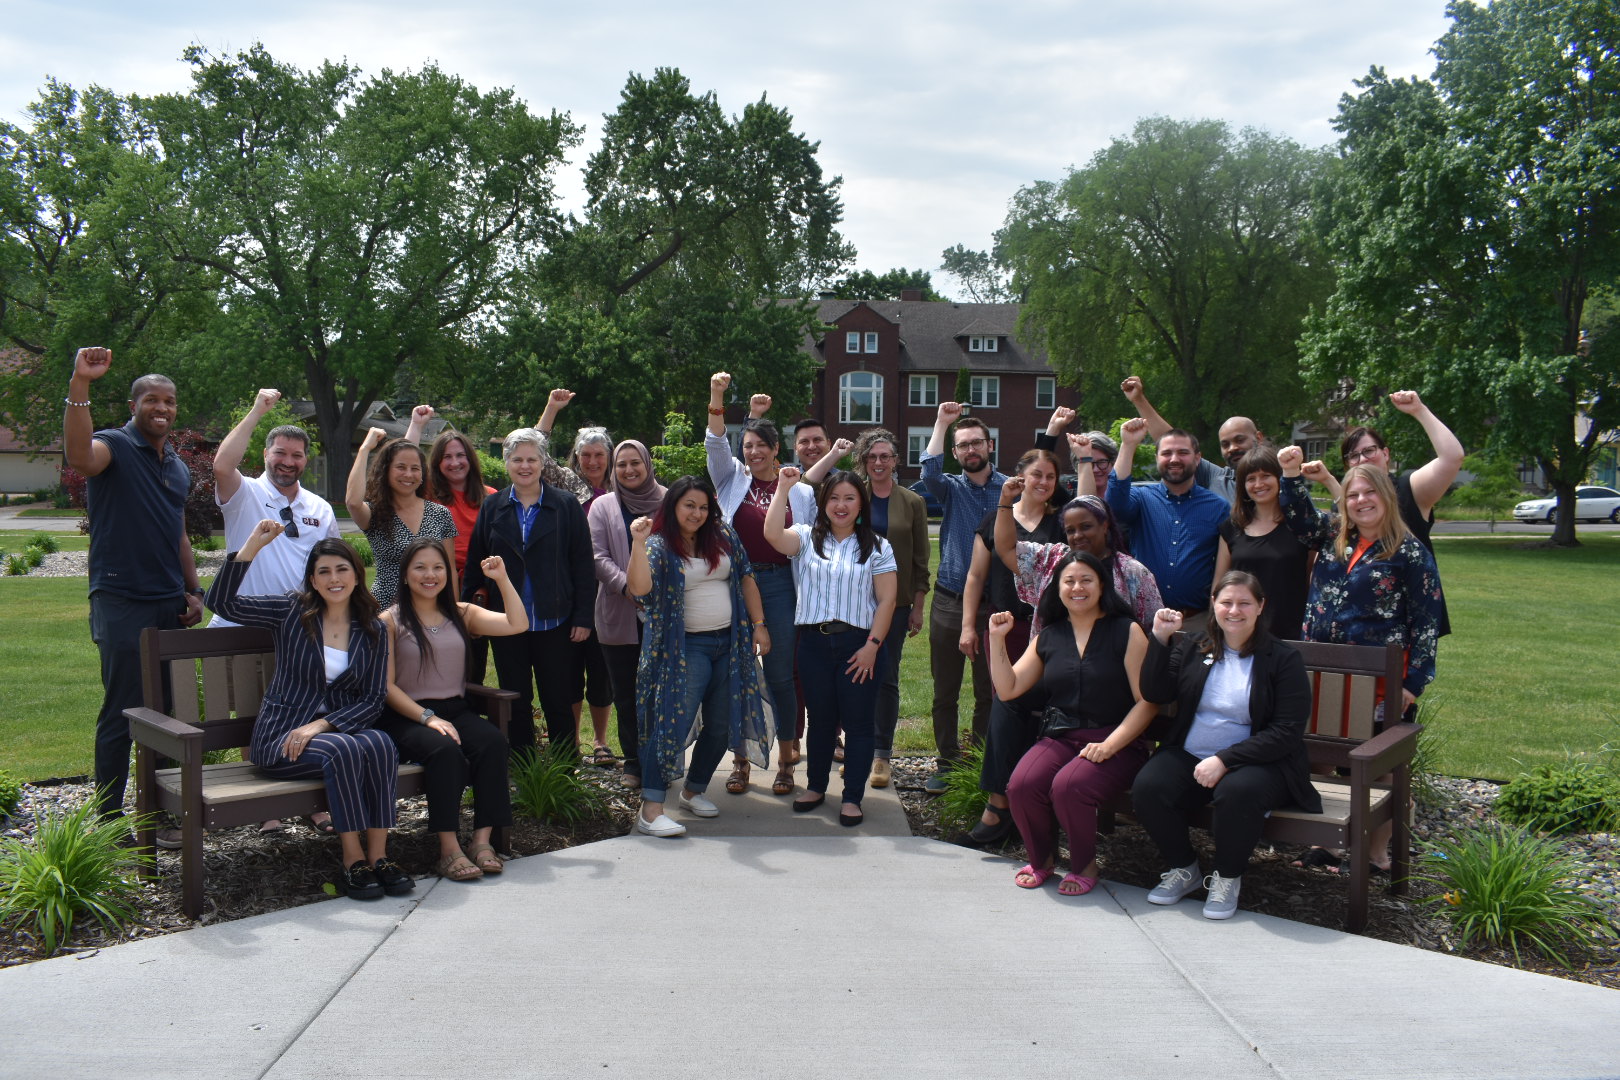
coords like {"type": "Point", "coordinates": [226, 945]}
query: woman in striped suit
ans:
{"type": "Point", "coordinates": [845, 577]}
{"type": "Point", "coordinates": [328, 689]}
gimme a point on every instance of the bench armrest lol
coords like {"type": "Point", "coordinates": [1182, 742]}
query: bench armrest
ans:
{"type": "Point", "coordinates": [1395, 745]}
{"type": "Point", "coordinates": [489, 693]}
{"type": "Point", "coordinates": [170, 737]}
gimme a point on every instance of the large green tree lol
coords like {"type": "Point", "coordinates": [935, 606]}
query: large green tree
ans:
{"type": "Point", "coordinates": [1474, 219]}
{"type": "Point", "coordinates": [356, 225]}
{"type": "Point", "coordinates": [981, 275]}
{"type": "Point", "coordinates": [865, 285]}
{"type": "Point", "coordinates": [79, 189]}
{"type": "Point", "coordinates": [1183, 254]}
{"type": "Point", "coordinates": [700, 238]}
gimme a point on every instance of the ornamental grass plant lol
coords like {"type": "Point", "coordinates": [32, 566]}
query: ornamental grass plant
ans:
{"type": "Point", "coordinates": [958, 807]}
{"type": "Point", "coordinates": [1504, 885]}
{"type": "Point", "coordinates": [548, 786]}
{"type": "Point", "coordinates": [76, 864]}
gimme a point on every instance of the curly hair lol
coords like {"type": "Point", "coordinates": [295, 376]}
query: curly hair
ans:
{"type": "Point", "coordinates": [379, 494]}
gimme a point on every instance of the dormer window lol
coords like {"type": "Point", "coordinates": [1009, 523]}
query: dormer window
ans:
{"type": "Point", "coordinates": [984, 344]}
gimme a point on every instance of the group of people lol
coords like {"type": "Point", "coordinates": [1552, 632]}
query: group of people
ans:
{"type": "Point", "coordinates": [770, 602]}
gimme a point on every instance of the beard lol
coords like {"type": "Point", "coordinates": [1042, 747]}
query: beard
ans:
{"type": "Point", "coordinates": [1175, 473]}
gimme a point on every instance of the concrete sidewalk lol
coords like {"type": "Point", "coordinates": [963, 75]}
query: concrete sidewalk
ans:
{"type": "Point", "coordinates": [737, 951]}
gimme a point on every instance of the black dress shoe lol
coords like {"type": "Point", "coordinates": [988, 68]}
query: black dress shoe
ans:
{"type": "Point", "coordinates": [808, 805]}
{"type": "Point", "coordinates": [850, 820]}
{"type": "Point", "coordinates": [360, 882]}
{"type": "Point", "coordinates": [395, 881]}
{"type": "Point", "coordinates": [992, 834]}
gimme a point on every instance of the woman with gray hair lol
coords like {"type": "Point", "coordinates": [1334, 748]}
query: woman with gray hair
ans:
{"type": "Point", "coordinates": [540, 531]}
{"type": "Point", "coordinates": [593, 449]}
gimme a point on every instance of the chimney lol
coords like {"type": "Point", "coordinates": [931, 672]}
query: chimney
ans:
{"type": "Point", "coordinates": [911, 294]}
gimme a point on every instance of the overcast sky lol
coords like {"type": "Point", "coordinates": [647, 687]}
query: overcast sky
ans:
{"type": "Point", "coordinates": [933, 113]}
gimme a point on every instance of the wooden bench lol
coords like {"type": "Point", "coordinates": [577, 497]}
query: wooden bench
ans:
{"type": "Point", "coordinates": [219, 677]}
{"type": "Point", "coordinates": [1340, 734]}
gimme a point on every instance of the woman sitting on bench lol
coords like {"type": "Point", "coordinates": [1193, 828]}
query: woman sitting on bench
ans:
{"type": "Point", "coordinates": [1238, 744]}
{"type": "Point", "coordinates": [428, 716]}
{"type": "Point", "coordinates": [318, 712]}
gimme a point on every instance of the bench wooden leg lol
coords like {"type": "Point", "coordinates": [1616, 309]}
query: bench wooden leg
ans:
{"type": "Point", "coordinates": [191, 866]}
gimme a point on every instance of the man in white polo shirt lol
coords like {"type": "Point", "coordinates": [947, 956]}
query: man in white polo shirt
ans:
{"type": "Point", "coordinates": [277, 495]}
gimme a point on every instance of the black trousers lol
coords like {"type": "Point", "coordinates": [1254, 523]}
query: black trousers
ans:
{"type": "Point", "coordinates": [1165, 796]}
{"type": "Point", "coordinates": [116, 623]}
{"type": "Point", "coordinates": [542, 660]}
{"type": "Point", "coordinates": [1014, 727]}
{"type": "Point", "coordinates": [480, 758]}
{"type": "Point", "coordinates": [592, 684]}
{"type": "Point", "coordinates": [621, 667]}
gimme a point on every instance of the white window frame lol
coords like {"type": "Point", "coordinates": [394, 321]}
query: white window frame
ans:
{"type": "Point", "coordinates": [984, 391]}
{"type": "Point", "coordinates": [1048, 384]}
{"type": "Point", "coordinates": [984, 344]}
{"type": "Point", "coordinates": [848, 388]}
{"type": "Point", "coordinates": [995, 448]}
{"type": "Point", "coordinates": [852, 341]}
{"type": "Point", "coordinates": [923, 391]}
{"type": "Point", "coordinates": [916, 442]}
{"type": "Point", "coordinates": [871, 341]}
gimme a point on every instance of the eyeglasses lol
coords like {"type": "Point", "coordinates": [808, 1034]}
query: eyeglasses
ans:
{"type": "Point", "coordinates": [1361, 454]}
{"type": "Point", "coordinates": [287, 519]}
{"type": "Point", "coordinates": [880, 459]}
{"type": "Point", "coordinates": [972, 444]}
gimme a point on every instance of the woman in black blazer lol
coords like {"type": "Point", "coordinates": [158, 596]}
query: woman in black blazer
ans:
{"type": "Point", "coordinates": [327, 691]}
{"type": "Point", "coordinates": [1238, 744]}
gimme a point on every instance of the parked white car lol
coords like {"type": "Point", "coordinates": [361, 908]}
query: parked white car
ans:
{"type": "Point", "coordinates": [1591, 504]}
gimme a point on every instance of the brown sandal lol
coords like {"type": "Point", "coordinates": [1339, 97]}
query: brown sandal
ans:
{"type": "Point", "coordinates": [484, 857]}
{"type": "Point", "coordinates": [458, 867]}
{"type": "Point", "coordinates": [737, 782]}
{"type": "Point", "coordinates": [783, 784]}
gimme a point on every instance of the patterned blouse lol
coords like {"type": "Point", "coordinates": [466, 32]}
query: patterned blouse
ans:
{"type": "Point", "coordinates": [661, 674]}
{"type": "Point", "coordinates": [1132, 580]}
{"type": "Point", "coordinates": [1379, 601]}
{"type": "Point", "coordinates": [388, 544]}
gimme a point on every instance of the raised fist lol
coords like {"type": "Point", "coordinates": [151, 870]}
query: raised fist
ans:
{"type": "Point", "coordinates": [1316, 471]}
{"type": "Point", "coordinates": [759, 404]}
{"type": "Point", "coordinates": [840, 447]}
{"type": "Point", "coordinates": [266, 399]}
{"type": "Point", "coordinates": [1291, 458]}
{"type": "Point", "coordinates": [1062, 417]}
{"type": "Point", "coordinates": [641, 528]}
{"type": "Point", "coordinates": [92, 363]}
{"type": "Point", "coordinates": [1132, 389]}
{"type": "Point", "coordinates": [494, 567]}
{"type": "Point", "coordinates": [719, 382]}
{"type": "Point", "coordinates": [559, 399]}
{"type": "Point", "coordinates": [1407, 401]}
{"type": "Point", "coordinates": [1011, 490]}
{"type": "Point", "coordinates": [1133, 431]}
{"type": "Point", "coordinates": [373, 439]}
{"type": "Point", "coordinates": [1001, 624]}
{"type": "Point", "coordinates": [1166, 621]}
{"type": "Point", "coordinates": [422, 413]}
{"type": "Point", "coordinates": [790, 475]}
{"type": "Point", "coordinates": [950, 410]}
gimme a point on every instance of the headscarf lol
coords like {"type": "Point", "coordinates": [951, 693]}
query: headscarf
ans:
{"type": "Point", "coordinates": [644, 500]}
{"type": "Point", "coordinates": [1101, 511]}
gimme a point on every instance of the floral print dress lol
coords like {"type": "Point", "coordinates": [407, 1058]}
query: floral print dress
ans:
{"type": "Point", "coordinates": [1393, 600]}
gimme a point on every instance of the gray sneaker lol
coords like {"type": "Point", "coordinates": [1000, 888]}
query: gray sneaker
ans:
{"type": "Point", "coordinates": [935, 785]}
{"type": "Point", "coordinates": [1223, 896]}
{"type": "Point", "coordinates": [1175, 884]}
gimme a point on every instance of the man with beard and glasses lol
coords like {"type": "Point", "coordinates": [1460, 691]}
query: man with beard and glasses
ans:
{"type": "Point", "coordinates": [276, 495]}
{"type": "Point", "coordinates": [1175, 524]}
{"type": "Point", "coordinates": [141, 568]}
{"type": "Point", "coordinates": [966, 499]}
{"type": "Point", "coordinates": [1238, 436]}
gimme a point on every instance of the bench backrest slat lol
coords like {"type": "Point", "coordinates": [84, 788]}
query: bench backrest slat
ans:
{"type": "Point", "coordinates": [1344, 686]}
{"type": "Point", "coordinates": [183, 678]}
{"type": "Point", "coordinates": [216, 688]}
{"type": "Point", "coordinates": [249, 676]}
{"type": "Point", "coordinates": [232, 666]}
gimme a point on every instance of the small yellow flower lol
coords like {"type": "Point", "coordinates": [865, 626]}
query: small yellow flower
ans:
{"type": "Point", "coordinates": [1453, 898]}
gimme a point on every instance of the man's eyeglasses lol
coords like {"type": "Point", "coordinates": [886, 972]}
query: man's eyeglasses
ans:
{"type": "Point", "coordinates": [287, 520]}
{"type": "Point", "coordinates": [972, 444]}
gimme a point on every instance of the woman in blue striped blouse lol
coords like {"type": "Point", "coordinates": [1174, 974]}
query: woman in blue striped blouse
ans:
{"type": "Point", "coordinates": [845, 577]}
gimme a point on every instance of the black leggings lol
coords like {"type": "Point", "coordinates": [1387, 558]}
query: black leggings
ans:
{"type": "Point", "coordinates": [1165, 796]}
{"type": "Point", "coordinates": [480, 759]}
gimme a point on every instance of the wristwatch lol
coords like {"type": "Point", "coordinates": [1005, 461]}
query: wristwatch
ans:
{"type": "Point", "coordinates": [427, 714]}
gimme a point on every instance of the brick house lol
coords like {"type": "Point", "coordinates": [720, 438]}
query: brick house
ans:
{"type": "Point", "coordinates": [891, 362]}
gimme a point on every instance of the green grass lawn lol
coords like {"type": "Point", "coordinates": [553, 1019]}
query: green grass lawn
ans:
{"type": "Point", "coordinates": [1526, 676]}
{"type": "Point", "coordinates": [14, 540]}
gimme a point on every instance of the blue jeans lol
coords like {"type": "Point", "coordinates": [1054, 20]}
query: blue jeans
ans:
{"type": "Point", "coordinates": [708, 673]}
{"type": "Point", "coordinates": [779, 600]}
{"type": "Point", "coordinates": [832, 699]}
{"type": "Point", "coordinates": [888, 702]}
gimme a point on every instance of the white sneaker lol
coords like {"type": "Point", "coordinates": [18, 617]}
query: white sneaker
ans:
{"type": "Point", "coordinates": [1223, 896]}
{"type": "Point", "coordinates": [699, 804]}
{"type": "Point", "coordinates": [662, 825]}
{"type": "Point", "coordinates": [1175, 884]}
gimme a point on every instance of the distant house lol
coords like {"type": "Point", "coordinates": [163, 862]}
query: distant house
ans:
{"type": "Point", "coordinates": [25, 468]}
{"type": "Point", "coordinates": [889, 363]}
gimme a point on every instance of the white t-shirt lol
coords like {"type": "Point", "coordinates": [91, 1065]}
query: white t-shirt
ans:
{"type": "Point", "coordinates": [708, 595]}
{"type": "Point", "coordinates": [279, 567]}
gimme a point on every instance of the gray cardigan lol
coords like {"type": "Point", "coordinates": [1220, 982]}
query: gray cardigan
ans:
{"type": "Point", "coordinates": [610, 546]}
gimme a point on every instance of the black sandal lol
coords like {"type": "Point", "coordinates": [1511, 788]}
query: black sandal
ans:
{"type": "Point", "coordinates": [992, 834]}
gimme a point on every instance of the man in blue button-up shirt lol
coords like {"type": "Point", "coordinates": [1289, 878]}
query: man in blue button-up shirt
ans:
{"type": "Point", "coordinates": [1175, 524]}
{"type": "Point", "coordinates": [966, 499]}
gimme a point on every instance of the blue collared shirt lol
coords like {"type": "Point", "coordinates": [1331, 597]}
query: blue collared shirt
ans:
{"type": "Point", "coordinates": [527, 515]}
{"type": "Point", "coordinates": [1175, 536]}
{"type": "Point", "coordinates": [965, 504]}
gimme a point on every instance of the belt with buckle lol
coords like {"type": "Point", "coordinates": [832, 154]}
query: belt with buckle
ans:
{"type": "Point", "coordinates": [836, 626]}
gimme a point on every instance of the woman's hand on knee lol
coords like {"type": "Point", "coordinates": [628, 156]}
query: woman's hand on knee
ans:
{"type": "Point", "coordinates": [446, 728]}
{"type": "Point", "coordinates": [1097, 752]}
{"type": "Point", "coordinates": [1209, 771]}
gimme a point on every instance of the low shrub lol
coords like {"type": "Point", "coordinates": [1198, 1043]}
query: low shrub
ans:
{"type": "Point", "coordinates": [958, 807]}
{"type": "Point", "coordinates": [10, 793]}
{"type": "Point", "coordinates": [16, 565]}
{"type": "Point", "coordinates": [33, 557]}
{"type": "Point", "coordinates": [205, 543]}
{"type": "Point", "coordinates": [494, 470]}
{"type": "Point", "coordinates": [362, 548]}
{"type": "Point", "coordinates": [74, 865]}
{"type": "Point", "coordinates": [1573, 797]}
{"type": "Point", "coordinates": [548, 787]}
{"type": "Point", "coordinates": [1504, 885]}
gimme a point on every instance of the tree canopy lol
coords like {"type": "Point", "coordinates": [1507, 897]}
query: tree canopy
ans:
{"type": "Point", "coordinates": [1474, 220]}
{"type": "Point", "coordinates": [865, 285]}
{"type": "Point", "coordinates": [1182, 254]}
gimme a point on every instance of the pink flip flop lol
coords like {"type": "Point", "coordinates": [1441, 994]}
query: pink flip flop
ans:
{"type": "Point", "coordinates": [1040, 876]}
{"type": "Point", "coordinates": [1086, 884]}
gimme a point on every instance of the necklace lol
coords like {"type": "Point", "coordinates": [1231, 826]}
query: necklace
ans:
{"type": "Point", "coordinates": [435, 629]}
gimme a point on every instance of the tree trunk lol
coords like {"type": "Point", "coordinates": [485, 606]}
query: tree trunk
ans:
{"type": "Point", "coordinates": [1564, 516]}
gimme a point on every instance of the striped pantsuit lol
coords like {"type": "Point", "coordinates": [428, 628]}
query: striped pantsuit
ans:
{"type": "Point", "coordinates": [359, 770]}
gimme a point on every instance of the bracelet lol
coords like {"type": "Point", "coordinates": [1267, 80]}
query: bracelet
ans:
{"type": "Point", "coordinates": [1004, 506]}
{"type": "Point", "coordinates": [1088, 460]}
{"type": "Point", "coordinates": [874, 641]}
{"type": "Point", "coordinates": [716, 412]}
{"type": "Point", "coordinates": [76, 404]}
